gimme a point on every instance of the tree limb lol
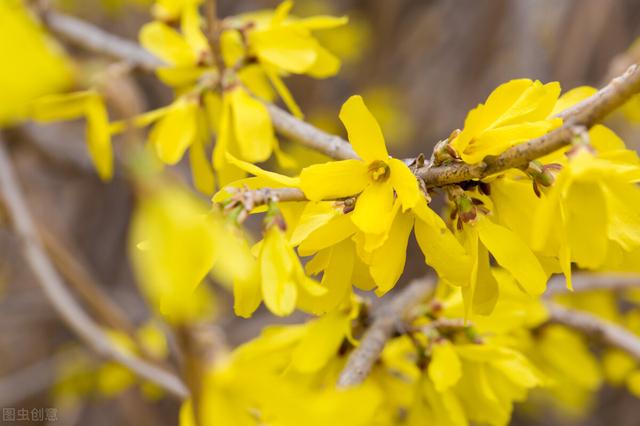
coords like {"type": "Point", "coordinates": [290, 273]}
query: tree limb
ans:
{"type": "Point", "coordinates": [386, 321]}
{"type": "Point", "coordinates": [606, 331]}
{"type": "Point", "coordinates": [52, 284]}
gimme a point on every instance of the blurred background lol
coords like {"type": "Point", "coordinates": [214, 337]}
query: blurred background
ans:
{"type": "Point", "coordinates": [420, 65]}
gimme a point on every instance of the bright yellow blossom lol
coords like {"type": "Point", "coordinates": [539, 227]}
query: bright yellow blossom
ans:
{"type": "Point", "coordinates": [375, 177]}
{"type": "Point", "coordinates": [514, 112]}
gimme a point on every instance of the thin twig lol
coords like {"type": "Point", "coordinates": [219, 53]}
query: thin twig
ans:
{"type": "Point", "coordinates": [305, 134]}
{"type": "Point", "coordinates": [95, 39]}
{"type": "Point", "coordinates": [387, 320]}
{"type": "Point", "coordinates": [583, 282]}
{"type": "Point", "coordinates": [598, 328]}
{"type": "Point", "coordinates": [52, 284]}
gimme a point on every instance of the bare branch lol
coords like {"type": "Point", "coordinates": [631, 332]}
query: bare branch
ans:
{"type": "Point", "coordinates": [305, 134]}
{"type": "Point", "coordinates": [608, 332]}
{"type": "Point", "coordinates": [592, 282]}
{"type": "Point", "coordinates": [388, 319]}
{"type": "Point", "coordinates": [94, 39]}
{"type": "Point", "coordinates": [51, 283]}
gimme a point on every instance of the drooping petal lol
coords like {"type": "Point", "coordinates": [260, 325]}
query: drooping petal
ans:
{"type": "Point", "coordinates": [334, 179]}
{"type": "Point", "coordinates": [273, 177]}
{"type": "Point", "coordinates": [441, 249]}
{"type": "Point", "coordinates": [252, 126]}
{"type": "Point", "coordinates": [372, 207]}
{"type": "Point", "coordinates": [404, 182]}
{"type": "Point", "coordinates": [279, 290]}
{"type": "Point", "coordinates": [445, 368]}
{"type": "Point", "coordinates": [513, 254]}
{"type": "Point", "coordinates": [387, 262]}
{"type": "Point", "coordinates": [175, 132]}
{"type": "Point", "coordinates": [99, 137]}
{"type": "Point", "coordinates": [60, 107]}
{"type": "Point", "coordinates": [338, 229]}
{"type": "Point", "coordinates": [283, 91]}
{"type": "Point", "coordinates": [363, 129]}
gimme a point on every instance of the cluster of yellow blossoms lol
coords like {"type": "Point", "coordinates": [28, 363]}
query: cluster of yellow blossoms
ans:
{"type": "Point", "coordinates": [479, 346]}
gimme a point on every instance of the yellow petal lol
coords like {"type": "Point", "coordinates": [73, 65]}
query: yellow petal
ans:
{"type": "Point", "coordinates": [404, 182]}
{"type": "Point", "coordinates": [99, 137]}
{"type": "Point", "coordinates": [314, 215]}
{"type": "Point", "coordinates": [387, 262]}
{"type": "Point", "coordinates": [326, 64]}
{"type": "Point", "coordinates": [364, 131]}
{"type": "Point", "coordinates": [373, 207]}
{"type": "Point", "coordinates": [320, 343]}
{"type": "Point", "coordinates": [440, 247]}
{"type": "Point", "coordinates": [513, 254]}
{"type": "Point", "coordinates": [444, 368]}
{"type": "Point", "coordinates": [334, 179]}
{"type": "Point", "coordinates": [266, 175]}
{"type": "Point", "coordinates": [166, 43]}
{"type": "Point", "coordinates": [252, 126]}
{"type": "Point", "coordinates": [572, 97]}
{"type": "Point", "coordinates": [175, 132]}
{"type": "Point", "coordinates": [60, 107]}
{"type": "Point", "coordinates": [338, 229]}
{"type": "Point", "coordinates": [279, 291]}
{"type": "Point", "coordinates": [486, 291]}
{"type": "Point", "coordinates": [283, 91]}
{"type": "Point", "coordinates": [201, 168]}
{"type": "Point", "coordinates": [285, 48]}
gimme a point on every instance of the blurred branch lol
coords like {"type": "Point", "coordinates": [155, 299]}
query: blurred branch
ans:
{"type": "Point", "coordinates": [95, 39]}
{"type": "Point", "coordinates": [79, 277]}
{"type": "Point", "coordinates": [51, 283]}
{"type": "Point", "coordinates": [592, 282]}
{"type": "Point", "coordinates": [387, 320]}
{"type": "Point", "coordinates": [598, 328]}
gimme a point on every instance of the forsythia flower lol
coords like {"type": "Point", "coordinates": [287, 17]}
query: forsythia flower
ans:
{"type": "Point", "coordinates": [282, 276]}
{"type": "Point", "coordinates": [485, 237]}
{"type": "Point", "coordinates": [87, 104]}
{"type": "Point", "coordinates": [32, 65]}
{"type": "Point", "coordinates": [175, 241]}
{"type": "Point", "coordinates": [282, 44]}
{"type": "Point", "coordinates": [375, 177]}
{"type": "Point", "coordinates": [598, 193]}
{"type": "Point", "coordinates": [514, 112]}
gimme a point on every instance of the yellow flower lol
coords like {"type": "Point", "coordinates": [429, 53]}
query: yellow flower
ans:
{"type": "Point", "coordinates": [375, 177]}
{"type": "Point", "coordinates": [598, 193]}
{"type": "Point", "coordinates": [282, 44]}
{"type": "Point", "coordinates": [486, 237]}
{"type": "Point", "coordinates": [88, 104]}
{"type": "Point", "coordinates": [174, 243]}
{"type": "Point", "coordinates": [187, 53]}
{"type": "Point", "coordinates": [32, 65]}
{"type": "Point", "coordinates": [514, 112]}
